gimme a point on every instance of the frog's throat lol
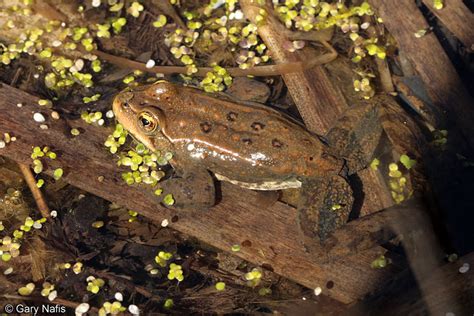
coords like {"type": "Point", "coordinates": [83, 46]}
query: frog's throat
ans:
{"type": "Point", "coordinates": [265, 185]}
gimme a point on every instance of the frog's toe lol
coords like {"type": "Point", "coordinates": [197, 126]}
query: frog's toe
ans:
{"type": "Point", "coordinates": [324, 209]}
{"type": "Point", "coordinates": [191, 191]}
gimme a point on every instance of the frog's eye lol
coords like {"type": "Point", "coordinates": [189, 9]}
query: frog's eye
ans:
{"type": "Point", "coordinates": [147, 122]}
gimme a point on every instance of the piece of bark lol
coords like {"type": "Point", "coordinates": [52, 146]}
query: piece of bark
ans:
{"type": "Point", "coordinates": [439, 291]}
{"type": "Point", "coordinates": [376, 228]}
{"type": "Point", "coordinates": [403, 19]}
{"type": "Point", "coordinates": [270, 235]}
{"type": "Point", "coordinates": [323, 102]}
{"type": "Point", "coordinates": [457, 17]}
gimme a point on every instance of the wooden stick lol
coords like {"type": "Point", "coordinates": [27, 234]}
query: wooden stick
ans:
{"type": "Point", "coordinates": [257, 71]}
{"type": "Point", "coordinates": [37, 194]}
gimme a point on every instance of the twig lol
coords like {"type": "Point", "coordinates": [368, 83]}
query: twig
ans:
{"type": "Point", "coordinates": [258, 71]}
{"type": "Point", "coordinates": [26, 171]}
{"type": "Point", "coordinates": [37, 195]}
{"type": "Point", "coordinates": [382, 65]}
{"type": "Point", "coordinates": [48, 11]}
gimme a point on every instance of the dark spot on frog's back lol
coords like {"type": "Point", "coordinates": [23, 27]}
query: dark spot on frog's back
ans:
{"type": "Point", "coordinates": [247, 141]}
{"type": "Point", "coordinates": [206, 127]}
{"type": "Point", "coordinates": [257, 126]}
{"type": "Point", "coordinates": [232, 116]}
{"type": "Point", "coordinates": [277, 143]}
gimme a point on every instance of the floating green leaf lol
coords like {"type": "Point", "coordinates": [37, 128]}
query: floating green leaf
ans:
{"type": "Point", "coordinates": [58, 173]}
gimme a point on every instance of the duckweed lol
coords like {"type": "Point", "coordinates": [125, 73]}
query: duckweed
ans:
{"type": "Point", "coordinates": [116, 139]}
{"type": "Point", "coordinates": [175, 272]}
{"type": "Point", "coordinates": [77, 267]}
{"type": "Point", "coordinates": [98, 224]}
{"type": "Point", "coordinates": [235, 248]}
{"type": "Point", "coordinates": [374, 165]}
{"type": "Point", "coordinates": [264, 291]}
{"type": "Point", "coordinates": [113, 308]}
{"type": "Point", "coordinates": [27, 289]}
{"type": "Point", "coordinates": [162, 258]}
{"type": "Point", "coordinates": [217, 80]}
{"type": "Point", "coordinates": [220, 286]}
{"type": "Point", "coordinates": [160, 21]}
{"type": "Point", "coordinates": [135, 8]}
{"type": "Point", "coordinates": [380, 263]}
{"type": "Point", "coordinates": [133, 216]}
{"type": "Point", "coordinates": [253, 277]}
{"type": "Point", "coordinates": [438, 4]}
{"type": "Point", "coordinates": [168, 199]}
{"type": "Point", "coordinates": [407, 162]}
{"type": "Point", "coordinates": [58, 173]}
{"type": "Point", "coordinates": [168, 303]}
{"type": "Point", "coordinates": [94, 285]}
{"type": "Point", "coordinates": [47, 289]}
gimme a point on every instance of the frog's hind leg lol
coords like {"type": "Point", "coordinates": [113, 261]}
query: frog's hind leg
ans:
{"type": "Point", "coordinates": [356, 136]}
{"type": "Point", "coordinates": [324, 206]}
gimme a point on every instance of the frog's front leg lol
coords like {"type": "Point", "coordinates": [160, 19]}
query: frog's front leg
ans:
{"type": "Point", "coordinates": [193, 189]}
{"type": "Point", "coordinates": [324, 206]}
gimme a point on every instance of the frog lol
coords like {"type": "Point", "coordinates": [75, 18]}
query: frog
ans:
{"type": "Point", "coordinates": [253, 146]}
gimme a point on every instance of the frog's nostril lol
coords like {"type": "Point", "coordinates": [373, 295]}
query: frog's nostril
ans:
{"type": "Point", "coordinates": [276, 143]}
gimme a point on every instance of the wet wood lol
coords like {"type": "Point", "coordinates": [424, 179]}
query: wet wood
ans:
{"type": "Point", "coordinates": [430, 63]}
{"type": "Point", "coordinates": [270, 234]}
{"type": "Point", "coordinates": [449, 291]}
{"type": "Point", "coordinates": [373, 229]}
{"type": "Point", "coordinates": [430, 288]}
{"type": "Point", "coordinates": [457, 18]}
{"type": "Point", "coordinates": [319, 101]}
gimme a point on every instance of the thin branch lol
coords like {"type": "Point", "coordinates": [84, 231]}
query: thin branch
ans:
{"type": "Point", "coordinates": [258, 71]}
{"type": "Point", "coordinates": [37, 194]}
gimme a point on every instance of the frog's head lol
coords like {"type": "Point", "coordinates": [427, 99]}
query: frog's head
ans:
{"type": "Point", "coordinates": [140, 111]}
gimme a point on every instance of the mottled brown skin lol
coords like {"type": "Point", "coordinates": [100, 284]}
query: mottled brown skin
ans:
{"type": "Point", "coordinates": [249, 145]}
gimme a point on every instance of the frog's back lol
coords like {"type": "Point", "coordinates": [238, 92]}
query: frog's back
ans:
{"type": "Point", "coordinates": [243, 143]}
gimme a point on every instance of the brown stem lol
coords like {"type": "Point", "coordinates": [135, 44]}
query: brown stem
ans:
{"type": "Point", "coordinates": [37, 195]}
{"type": "Point", "coordinates": [382, 65]}
{"type": "Point", "coordinates": [43, 8]}
{"type": "Point", "coordinates": [258, 71]}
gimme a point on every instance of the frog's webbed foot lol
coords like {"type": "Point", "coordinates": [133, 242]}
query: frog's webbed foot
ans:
{"type": "Point", "coordinates": [356, 136]}
{"type": "Point", "coordinates": [324, 206]}
{"type": "Point", "coordinates": [195, 189]}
